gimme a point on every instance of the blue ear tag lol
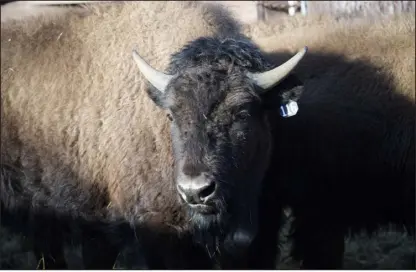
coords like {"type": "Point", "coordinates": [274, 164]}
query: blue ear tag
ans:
{"type": "Point", "coordinates": [289, 109]}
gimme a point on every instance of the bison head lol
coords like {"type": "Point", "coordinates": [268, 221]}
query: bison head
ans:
{"type": "Point", "coordinates": [220, 131]}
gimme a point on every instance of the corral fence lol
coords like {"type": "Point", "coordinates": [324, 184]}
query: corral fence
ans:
{"type": "Point", "coordinates": [266, 9]}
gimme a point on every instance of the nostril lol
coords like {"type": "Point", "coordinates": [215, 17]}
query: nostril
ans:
{"type": "Point", "coordinates": [207, 191]}
{"type": "Point", "coordinates": [194, 193]}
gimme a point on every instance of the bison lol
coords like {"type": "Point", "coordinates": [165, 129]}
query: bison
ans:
{"type": "Point", "coordinates": [338, 164]}
{"type": "Point", "coordinates": [84, 135]}
{"type": "Point", "coordinates": [346, 161]}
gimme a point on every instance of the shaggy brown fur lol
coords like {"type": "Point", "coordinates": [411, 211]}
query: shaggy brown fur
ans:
{"type": "Point", "coordinates": [40, 136]}
{"type": "Point", "coordinates": [347, 160]}
{"type": "Point", "coordinates": [75, 114]}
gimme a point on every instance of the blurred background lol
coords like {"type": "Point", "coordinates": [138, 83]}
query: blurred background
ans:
{"type": "Point", "coordinates": [251, 11]}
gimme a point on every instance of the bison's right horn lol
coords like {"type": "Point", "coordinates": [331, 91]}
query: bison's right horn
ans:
{"type": "Point", "coordinates": [269, 79]}
{"type": "Point", "coordinates": [158, 79]}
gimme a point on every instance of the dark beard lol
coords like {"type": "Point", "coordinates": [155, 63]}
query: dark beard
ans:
{"type": "Point", "coordinates": [224, 236]}
{"type": "Point", "coordinates": [209, 230]}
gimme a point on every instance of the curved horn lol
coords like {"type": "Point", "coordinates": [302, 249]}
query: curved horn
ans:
{"type": "Point", "coordinates": [271, 78]}
{"type": "Point", "coordinates": [158, 79]}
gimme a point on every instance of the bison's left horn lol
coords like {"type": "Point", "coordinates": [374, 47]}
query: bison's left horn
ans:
{"type": "Point", "coordinates": [269, 79]}
{"type": "Point", "coordinates": [158, 79]}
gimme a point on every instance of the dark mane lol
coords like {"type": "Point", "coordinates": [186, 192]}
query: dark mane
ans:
{"type": "Point", "coordinates": [220, 54]}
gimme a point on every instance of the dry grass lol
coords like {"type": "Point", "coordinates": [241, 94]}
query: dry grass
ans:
{"type": "Point", "coordinates": [388, 249]}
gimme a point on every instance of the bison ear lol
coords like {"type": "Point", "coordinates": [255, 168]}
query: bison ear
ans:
{"type": "Point", "coordinates": [285, 96]}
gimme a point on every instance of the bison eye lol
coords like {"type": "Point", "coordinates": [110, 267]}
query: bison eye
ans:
{"type": "Point", "coordinates": [242, 115]}
{"type": "Point", "coordinates": [169, 117]}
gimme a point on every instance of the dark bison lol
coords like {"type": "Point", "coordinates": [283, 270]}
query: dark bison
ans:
{"type": "Point", "coordinates": [346, 161]}
{"type": "Point", "coordinates": [85, 136]}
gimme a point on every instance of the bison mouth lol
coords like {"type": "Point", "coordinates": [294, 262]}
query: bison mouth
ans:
{"type": "Point", "coordinates": [202, 209]}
